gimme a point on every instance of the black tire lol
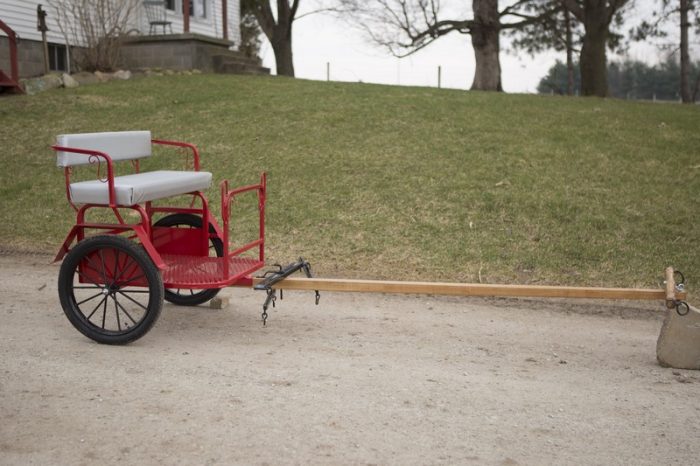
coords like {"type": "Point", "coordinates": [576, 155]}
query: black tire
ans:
{"type": "Point", "coordinates": [182, 296]}
{"type": "Point", "coordinates": [129, 284]}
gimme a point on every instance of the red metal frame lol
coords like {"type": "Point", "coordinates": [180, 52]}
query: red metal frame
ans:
{"type": "Point", "coordinates": [226, 199]}
{"type": "Point", "coordinates": [13, 80]}
{"type": "Point", "coordinates": [182, 255]}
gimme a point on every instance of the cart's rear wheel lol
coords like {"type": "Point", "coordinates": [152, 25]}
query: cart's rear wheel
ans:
{"type": "Point", "coordinates": [110, 290]}
{"type": "Point", "coordinates": [182, 296]}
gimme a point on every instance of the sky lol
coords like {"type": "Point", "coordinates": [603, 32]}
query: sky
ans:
{"type": "Point", "coordinates": [320, 40]}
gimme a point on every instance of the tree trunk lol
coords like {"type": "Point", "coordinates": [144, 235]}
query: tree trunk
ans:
{"type": "Point", "coordinates": [594, 73]}
{"type": "Point", "coordinates": [685, 56]}
{"type": "Point", "coordinates": [485, 40]}
{"type": "Point", "coordinates": [279, 32]}
{"type": "Point", "coordinates": [569, 54]}
{"type": "Point", "coordinates": [283, 55]}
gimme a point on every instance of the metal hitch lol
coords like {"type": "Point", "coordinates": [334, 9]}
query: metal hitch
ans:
{"type": "Point", "coordinates": [271, 277]}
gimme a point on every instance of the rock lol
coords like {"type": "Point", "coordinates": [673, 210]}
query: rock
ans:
{"type": "Point", "coordinates": [102, 77]}
{"type": "Point", "coordinates": [140, 73]}
{"type": "Point", "coordinates": [43, 83]}
{"type": "Point", "coordinates": [218, 302]}
{"type": "Point", "coordinates": [196, 71]}
{"type": "Point", "coordinates": [85, 78]}
{"type": "Point", "coordinates": [678, 345]}
{"type": "Point", "coordinates": [122, 74]}
{"type": "Point", "coordinates": [169, 72]}
{"type": "Point", "coordinates": [69, 82]}
{"type": "Point", "coordinates": [52, 81]}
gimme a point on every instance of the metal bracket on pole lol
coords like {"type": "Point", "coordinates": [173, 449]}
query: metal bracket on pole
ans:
{"type": "Point", "coordinates": [271, 277]}
{"type": "Point", "coordinates": [673, 287]}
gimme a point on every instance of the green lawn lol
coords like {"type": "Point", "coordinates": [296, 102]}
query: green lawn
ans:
{"type": "Point", "coordinates": [394, 182]}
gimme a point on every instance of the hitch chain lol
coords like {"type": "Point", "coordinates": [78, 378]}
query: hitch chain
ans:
{"type": "Point", "coordinates": [271, 277]}
{"type": "Point", "coordinates": [682, 307]}
{"type": "Point", "coordinates": [271, 298]}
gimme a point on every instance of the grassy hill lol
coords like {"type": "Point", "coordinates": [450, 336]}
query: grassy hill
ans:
{"type": "Point", "coordinates": [394, 182]}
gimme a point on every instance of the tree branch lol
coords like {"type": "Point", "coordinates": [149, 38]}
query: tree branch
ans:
{"type": "Point", "coordinates": [295, 7]}
{"type": "Point", "coordinates": [514, 7]}
{"type": "Point", "coordinates": [614, 7]}
{"type": "Point", "coordinates": [574, 8]}
{"type": "Point", "coordinates": [263, 14]}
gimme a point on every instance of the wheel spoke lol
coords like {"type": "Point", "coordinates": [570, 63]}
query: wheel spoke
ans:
{"type": "Point", "coordinates": [90, 298]}
{"type": "Point", "coordinates": [125, 312]}
{"type": "Point", "coordinates": [116, 312]}
{"type": "Point", "coordinates": [133, 279]}
{"type": "Point", "coordinates": [104, 271]}
{"type": "Point", "coordinates": [91, 265]}
{"type": "Point", "coordinates": [104, 314]}
{"type": "Point", "coordinates": [132, 300]}
{"type": "Point", "coordinates": [85, 277]}
{"type": "Point", "coordinates": [96, 307]}
{"type": "Point", "coordinates": [116, 264]}
{"type": "Point", "coordinates": [116, 280]}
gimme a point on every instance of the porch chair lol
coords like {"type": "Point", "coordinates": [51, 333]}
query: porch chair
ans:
{"type": "Point", "coordinates": [157, 16]}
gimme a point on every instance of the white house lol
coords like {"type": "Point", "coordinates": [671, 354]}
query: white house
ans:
{"type": "Point", "coordinates": [206, 22]}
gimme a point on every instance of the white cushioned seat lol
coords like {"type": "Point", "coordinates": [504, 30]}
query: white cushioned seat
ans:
{"type": "Point", "coordinates": [140, 187]}
{"type": "Point", "coordinates": [121, 145]}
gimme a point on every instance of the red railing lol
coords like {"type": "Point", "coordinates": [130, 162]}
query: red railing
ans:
{"type": "Point", "coordinates": [13, 80]}
{"type": "Point", "coordinates": [226, 199]}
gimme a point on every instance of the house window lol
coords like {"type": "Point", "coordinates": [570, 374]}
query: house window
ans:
{"type": "Point", "coordinates": [198, 8]}
{"type": "Point", "coordinates": [57, 57]}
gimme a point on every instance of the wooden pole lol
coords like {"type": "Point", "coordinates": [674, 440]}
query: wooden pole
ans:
{"type": "Point", "coordinates": [186, 16]}
{"type": "Point", "coordinates": [41, 26]}
{"type": "Point", "coordinates": [224, 17]}
{"type": "Point", "coordinates": [439, 76]}
{"type": "Point", "coordinates": [328, 71]}
{"type": "Point", "coordinates": [670, 288]}
{"type": "Point", "coordinates": [468, 289]}
{"type": "Point", "coordinates": [46, 52]}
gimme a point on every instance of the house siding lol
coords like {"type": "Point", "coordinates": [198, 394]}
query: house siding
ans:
{"type": "Point", "coordinates": [20, 15]}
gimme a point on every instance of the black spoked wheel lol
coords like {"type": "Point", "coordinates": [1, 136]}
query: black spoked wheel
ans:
{"type": "Point", "coordinates": [182, 296]}
{"type": "Point", "coordinates": [110, 290]}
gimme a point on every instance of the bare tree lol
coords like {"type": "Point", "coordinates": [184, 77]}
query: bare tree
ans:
{"type": "Point", "coordinates": [558, 30]}
{"type": "Point", "coordinates": [597, 16]}
{"type": "Point", "coordinates": [406, 26]}
{"type": "Point", "coordinates": [668, 9]}
{"type": "Point", "coordinates": [96, 28]}
{"type": "Point", "coordinates": [277, 29]}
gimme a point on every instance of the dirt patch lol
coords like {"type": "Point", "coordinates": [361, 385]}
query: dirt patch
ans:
{"type": "Point", "coordinates": [359, 379]}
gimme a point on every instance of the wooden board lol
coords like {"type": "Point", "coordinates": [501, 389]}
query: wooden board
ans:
{"type": "Point", "coordinates": [467, 289]}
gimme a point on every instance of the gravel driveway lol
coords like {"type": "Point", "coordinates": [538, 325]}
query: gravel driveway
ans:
{"type": "Point", "coordinates": [359, 379]}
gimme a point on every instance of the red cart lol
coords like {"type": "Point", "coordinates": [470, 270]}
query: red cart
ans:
{"type": "Point", "coordinates": [115, 275]}
{"type": "Point", "coordinates": [113, 281]}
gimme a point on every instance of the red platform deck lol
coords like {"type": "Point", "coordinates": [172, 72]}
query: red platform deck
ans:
{"type": "Point", "coordinates": [198, 272]}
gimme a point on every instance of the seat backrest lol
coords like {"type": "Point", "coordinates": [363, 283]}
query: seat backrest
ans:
{"type": "Point", "coordinates": [122, 145]}
{"type": "Point", "coordinates": [155, 10]}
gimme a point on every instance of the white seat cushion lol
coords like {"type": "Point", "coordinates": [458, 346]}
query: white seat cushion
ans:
{"type": "Point", "coordinates": [140, 187]}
